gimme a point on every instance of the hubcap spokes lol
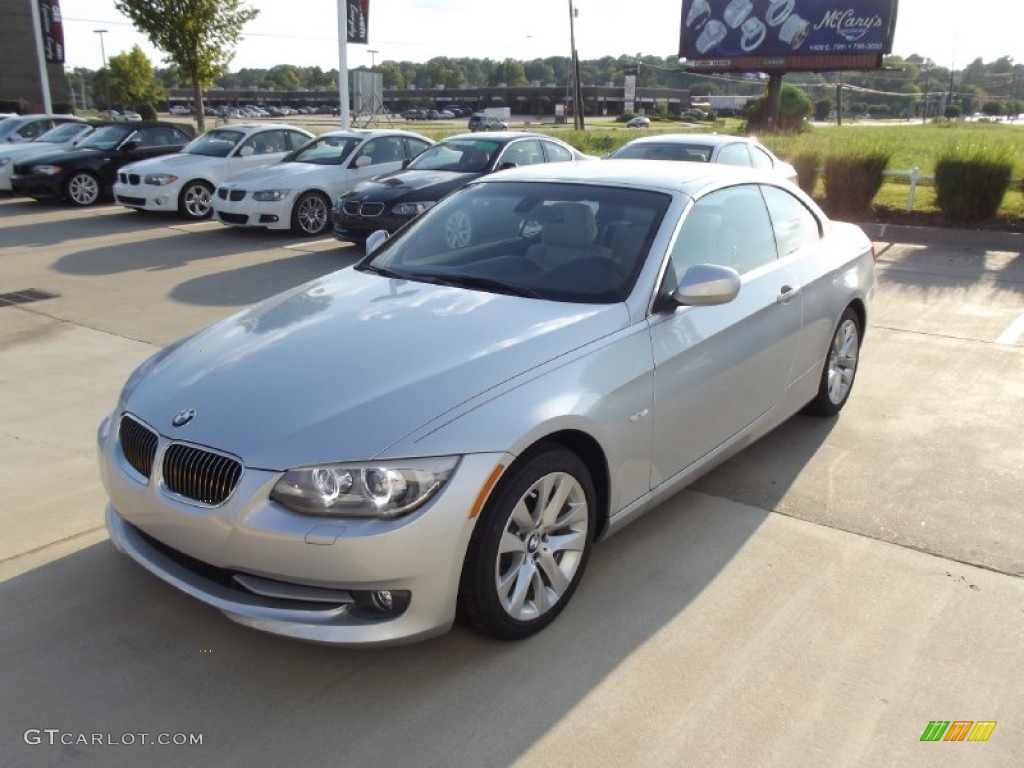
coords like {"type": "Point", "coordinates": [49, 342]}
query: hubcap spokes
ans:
{"type": "Point", "coordinates": [312, 216]}
{"type": "Point", "coordinates": [842, 362]}
{"type": "Point", "coordinates": [542, 546]}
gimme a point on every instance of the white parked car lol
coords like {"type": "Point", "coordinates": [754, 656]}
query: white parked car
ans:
{"type": "Point", "coordinates": [184, 181]}
{"type": "Point", "coordinates": [62, 137]}
{"type": "Point", "coordinates": [298, 192]}
{"type": "Point", "coordinates": [743, 151]}
{"type": "Point", "coordinates": [16, 129]}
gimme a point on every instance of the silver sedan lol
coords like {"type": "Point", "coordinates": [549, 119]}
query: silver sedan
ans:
{"type": "Point", "coordinates": [446, 430]}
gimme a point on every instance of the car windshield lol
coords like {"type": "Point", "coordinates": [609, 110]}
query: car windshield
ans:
{"type": "Point", "coordinates": [649, 150]}
{"type": "Point", "coordinates": [107, 137]}
{"type": "Point", "coordinates": [63, 132]}
{"type": "Point", "coordinates": [465, 155]}
{"type": "Point", "coordinates": [326, 150]}
{"type": "Point", "coordinates": [218, 143]}
{"type": "Point", "coordinates": [556, 242]}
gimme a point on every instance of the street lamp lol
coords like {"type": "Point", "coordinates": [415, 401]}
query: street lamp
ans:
{"type": "Point", "coordinates": [574, 64]}
{"type": "Point", "coordinates": [373, 57]}
{"type": "Point", "coordinates": [106, 75]}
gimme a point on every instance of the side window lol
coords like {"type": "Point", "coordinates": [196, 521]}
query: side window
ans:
{"type": "Point", "coordinates": [147, 137]}
{"type": "Point", "coordinates": [729, 227]}
{"type": "Point", "coordinates": [386, 149]}
{"type": "Point", "coordinates": [414, 146]}
{"type": "Point", "coordinates": [526, 152]}
{"type": "Point", "coordinates": [794, 225]}
{"type": "Point", "coordinates": [556, 153]}
{"type": "Point", "coordinates": [266, 142]}
{"type": "Point", "coordinates": [295, 140]}
{"type": "Point", "coordinates": [734, 154]}
{"type": "Point", "coordinates": [34, 129]}
{"type": "Point", "coordinates": [761, 158]}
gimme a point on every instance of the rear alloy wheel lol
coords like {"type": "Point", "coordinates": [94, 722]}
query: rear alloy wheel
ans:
{"type": "Point", "coordinates": [196, 200]}
{"type": "Point", "coordinates": [82, 188]}
{"type": "Point", "coordinates": [458, 230]}
{"type": "Point", "coordinates": [311, 214]}
{"type": "Point", "coordinates": [529, 549]}
{"type": "Point", "coordinates": [840, 368]}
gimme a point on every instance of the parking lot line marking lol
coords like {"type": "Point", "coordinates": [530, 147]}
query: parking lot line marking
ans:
{"type": "Point", "coordinates": [1013, 332]}
{"type": "Point", "coordinates": [306, 244]}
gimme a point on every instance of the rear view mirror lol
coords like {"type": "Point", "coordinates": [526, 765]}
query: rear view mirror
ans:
{"type": "Point", "coordinates": [246, 151]}
{"type": "Point", "coordinates": [362, 161]}
{"type": "Point", "coordinates": [705, 285]}
{"type": "Point", "coordinates": [375, 240]}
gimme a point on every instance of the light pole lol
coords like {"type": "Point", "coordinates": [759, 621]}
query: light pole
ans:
{"type": "Point", "coordinates": [373, 57]}
{"type": "Point", "coordinates": [574, 64]}
{"type": "Point", "coordinates": [106, 75]}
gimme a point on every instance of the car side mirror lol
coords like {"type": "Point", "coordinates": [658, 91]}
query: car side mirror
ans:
{"type": "Point", "coordinates": [362, 161]}
{"type": "Point", "coordinates": [705, 285]}
{"type": "Point", "coordinates": [506, 165]}
{"type": "Point", "coordinates": [130, 146]}
{"type": "Point", "coordinates": [375, 240]}
{"type": "Point", "coordinates": [405, 163]}
{"type": "Point", "coordinates": [246, 151]}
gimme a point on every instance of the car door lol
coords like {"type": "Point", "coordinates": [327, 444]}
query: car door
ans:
{"type": "Point", "coordinates": [718, 369]}
{"type": "Point", "coordinates": [380, 155]}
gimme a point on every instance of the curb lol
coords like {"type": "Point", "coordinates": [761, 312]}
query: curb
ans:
{"type": "Point", "coordinates": [969, 239]}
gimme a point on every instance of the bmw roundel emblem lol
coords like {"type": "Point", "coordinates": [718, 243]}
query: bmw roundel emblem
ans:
{"type": "Point", "coordinates": [181, 418]}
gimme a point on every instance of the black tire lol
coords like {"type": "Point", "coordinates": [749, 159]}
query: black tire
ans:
{"type": "Point", "coordinates": [515, 544]}
{"type": "Point", "coordinates": [195, 201]}
{"type": "Point", "coordinates": [840, 369]}
{"type": "Point", "coordinates": [83, 188]}
{"type": "Point", "coordinates": [311, 215]}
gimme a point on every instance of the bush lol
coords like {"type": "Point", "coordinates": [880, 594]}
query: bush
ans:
{"type": "Point", "coordinates": [807, 165]}
{"type": "Point", "coordinates": [971, 181]}
{"type": "Point", "coordinates": [794, 108]}
{"type": "Point", "coordinates": [147, 111]}
{"type": "Point", "coordinates": [852, 180]}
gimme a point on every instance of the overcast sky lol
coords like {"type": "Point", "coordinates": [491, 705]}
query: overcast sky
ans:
{"type": "Point", "coordinates": [304, 32]}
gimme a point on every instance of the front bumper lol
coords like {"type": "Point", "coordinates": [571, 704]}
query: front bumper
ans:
{"type": "Point", "coordinates": [147, 197]}
{"type": "Point", "coordinates": [309, 571]}
{"type": "Point", "coordinates": [41, 187]}
{"type": "Point", "coordinates": [356, 229]}
{"type": "Point", "coordinates": [253, 213]}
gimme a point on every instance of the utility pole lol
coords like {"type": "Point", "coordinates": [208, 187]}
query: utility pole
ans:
{"type": "Point", "coordinates": [577, 93]}
{"type": "Point", "coordinates": [106, 74]}
{"type": "Point", "coordinates": [373, 57]}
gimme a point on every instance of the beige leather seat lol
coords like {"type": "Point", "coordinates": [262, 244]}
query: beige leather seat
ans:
{"type": "Point", "coordinates": [568, 236]}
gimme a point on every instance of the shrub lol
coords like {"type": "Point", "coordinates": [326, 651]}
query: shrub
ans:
{"type": "Point", "coordinates": [853, 179]}
{"type": "Point", "coordinates": [971, 181]}
{"type": "Point", "coordinates": [807, 165]}
{"type": "Point", "coordinates": [147, 111]}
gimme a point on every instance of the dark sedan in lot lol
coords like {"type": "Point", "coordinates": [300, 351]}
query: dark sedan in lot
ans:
{"type": "Point", "coordinates": [392, 199]}
{"type": "Point", "coordinates": [85, 174]}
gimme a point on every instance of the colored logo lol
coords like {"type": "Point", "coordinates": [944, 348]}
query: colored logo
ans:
{"type": "Point", "coordinates": [958, 730]}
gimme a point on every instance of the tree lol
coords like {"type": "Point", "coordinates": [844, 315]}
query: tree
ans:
{"type": "Point", "coordinates": [794, 107]}
{"type": "Point", "coordinates": [199, 36]}
{"type": "Point", "coordinates": [510, 72]}
{"type": "Point", "coordinates": [133, 82]}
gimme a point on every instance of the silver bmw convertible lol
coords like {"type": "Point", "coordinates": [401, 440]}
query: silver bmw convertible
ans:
{"type": "Point", "coordinates": [445, 429]}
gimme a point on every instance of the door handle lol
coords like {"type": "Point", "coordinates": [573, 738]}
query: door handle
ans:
{"type": "Point", "coordinates": [786, 294]}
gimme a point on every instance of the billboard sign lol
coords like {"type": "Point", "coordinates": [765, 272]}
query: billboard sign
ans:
{"type": "Point", "coordinates": [358, 21]}
{"type": "Point", "coordinates": [52, 27]}
{"type": "Point", "coordinates": [764, 35]}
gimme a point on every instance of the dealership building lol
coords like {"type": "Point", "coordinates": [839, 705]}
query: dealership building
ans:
{"type": "Point", "coordinates": [19, 63]}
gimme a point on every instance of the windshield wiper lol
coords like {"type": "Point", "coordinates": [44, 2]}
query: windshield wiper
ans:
{"type": "Point", "coordinates": [383, 272]}
{"type": "Point", "coordinates": [485, 284]}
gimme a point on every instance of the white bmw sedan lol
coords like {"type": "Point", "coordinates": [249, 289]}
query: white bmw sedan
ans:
{"type": "Point", "coordinates": [446, 429]}
{"type": "Point", "coordinates": [298, 193]}
{"type": "Point", "coordinates": [183, 182]}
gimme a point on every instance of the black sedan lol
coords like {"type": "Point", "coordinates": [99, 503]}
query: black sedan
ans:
{"type": "Point", "coordinates": [389, 201]}
{"type": "Point", "coordinates": [87, 172]}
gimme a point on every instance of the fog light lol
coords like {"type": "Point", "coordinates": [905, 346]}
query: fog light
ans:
{"type": "Point", "coordinates": [383, 600]}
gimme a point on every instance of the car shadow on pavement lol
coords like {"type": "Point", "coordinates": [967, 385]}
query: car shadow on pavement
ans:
{"type": "Point", "coordinates": [96, 645]}
{"type": "Point", "coordinates": [78, 225]}
{"type": "Point", "coordinates": [250, 284]}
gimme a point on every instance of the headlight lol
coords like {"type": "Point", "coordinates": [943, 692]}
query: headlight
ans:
{"type": "Point", "coordinates": [271, 195]}
{"type": "Point", "coordinates": [412, 209]}
{"type": "Point", "coordinates": [47, 170]}
{"type": "Point", "coordinates": [160, 179]}
{"type": "Point", "coordinates": [384, 489]}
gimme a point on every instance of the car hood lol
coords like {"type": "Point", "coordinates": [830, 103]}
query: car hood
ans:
{"type": "Point", "coordinates": [72, 155]}
{"type": "Point", "coordinates": [18, 152]}
{"type": "Point", "coordinates": [343, 367]}
{"type": "Point", "coordinates": [291, 173]}
{"type": "Point", "coordinates": [176, 162]}
{"type": "Point", "coordinates": [431, 185]}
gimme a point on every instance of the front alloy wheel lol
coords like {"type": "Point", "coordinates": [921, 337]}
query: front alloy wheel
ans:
{"type": "Point", "coordinates": [83, 189]}
{"type": "Point", "coordinates": [311, 215]}
{"type": "Point", "coordinates": [840, 367]}
{"type": "Point", "coordinates": [530, 547]}
{"type": "Point", "coordinates": [196, 200]}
